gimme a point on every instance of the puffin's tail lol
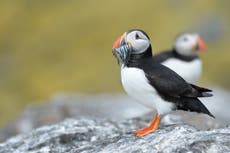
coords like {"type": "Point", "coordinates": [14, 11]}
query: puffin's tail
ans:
{"type": "Point", "coordinates": [203, 91]}
{"type": "Point", "coordinates": [193, 105]}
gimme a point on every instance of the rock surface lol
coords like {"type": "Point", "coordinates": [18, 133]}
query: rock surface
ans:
{"type": "Point", "coordinates": [62, 106]}
{"type": "Point", "coordinates": [85, 135]}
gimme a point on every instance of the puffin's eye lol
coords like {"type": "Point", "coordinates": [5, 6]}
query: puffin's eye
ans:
{"type": "Point", "coordinates": [137, 36]}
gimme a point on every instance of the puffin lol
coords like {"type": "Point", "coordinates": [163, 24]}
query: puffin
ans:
{"type": "Point", "coordinates": [151, 83]}
{"type": "Point", "coordinates": [182, 58]}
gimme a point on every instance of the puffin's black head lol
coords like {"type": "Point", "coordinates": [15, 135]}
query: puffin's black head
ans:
{"type": "Point", "coordinates": [131, 43]}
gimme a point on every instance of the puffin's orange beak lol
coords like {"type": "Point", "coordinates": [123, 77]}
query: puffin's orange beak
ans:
{"type": "Point", "coordinates": [121, 50]}
{"type": "Point", "coordinates": [117, 43]}
{"type": "Point", "coordinates": [201, 44]}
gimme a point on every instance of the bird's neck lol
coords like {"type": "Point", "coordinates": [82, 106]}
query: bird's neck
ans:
{"type": "Point", "coordinates": [135, 59]}
{"type": "Point", "coordinates": [183, 57]}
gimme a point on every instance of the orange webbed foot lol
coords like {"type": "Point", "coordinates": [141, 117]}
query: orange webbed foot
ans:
{"type": "Point", "coordinates": [149, 129]}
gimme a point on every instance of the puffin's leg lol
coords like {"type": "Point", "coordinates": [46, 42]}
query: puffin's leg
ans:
{"type": "Point", "coordinates": [151, 128]}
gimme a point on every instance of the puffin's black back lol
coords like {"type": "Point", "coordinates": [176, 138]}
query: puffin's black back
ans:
{"type": "Point", "coordinates": [164, 55]}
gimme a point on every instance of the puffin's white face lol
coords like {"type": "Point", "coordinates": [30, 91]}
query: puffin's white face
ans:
{"type": "Point", "coordinates": [188, 44]}
{"type": "Point", "coordinates": [131, 42]}
{"type": "Point", "coordinates": [138, 40]}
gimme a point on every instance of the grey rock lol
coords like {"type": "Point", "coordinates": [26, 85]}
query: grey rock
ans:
{"type": "Point", "coordinates": [85, 135]}
{"type": "Point", "coordinates": [61, 106]}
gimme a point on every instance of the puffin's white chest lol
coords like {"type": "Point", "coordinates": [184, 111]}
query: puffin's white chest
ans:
{"type": "Point", "coordinates": [190, 71]}
{"type": "Point", "coordinates": [136, 86]}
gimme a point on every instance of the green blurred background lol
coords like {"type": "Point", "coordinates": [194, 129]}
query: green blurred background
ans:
{"type": "Point", "coordinates": [52, 46]}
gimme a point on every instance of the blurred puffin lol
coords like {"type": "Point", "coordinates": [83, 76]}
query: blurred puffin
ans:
{"type": "Point", "coordinates": [182, 58]}
{"type": "Point", "coordinates": [151, 83]}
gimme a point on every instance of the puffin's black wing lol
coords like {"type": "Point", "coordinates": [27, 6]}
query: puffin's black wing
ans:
{"type": "Point", "coordinates": [193, 105]}
{"type": "Point", "coordinates": [163, 56]}
{"type": "Point", "coordinates": [169, 83]}
{"type": "Point", "coordinates": [173, 88]}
